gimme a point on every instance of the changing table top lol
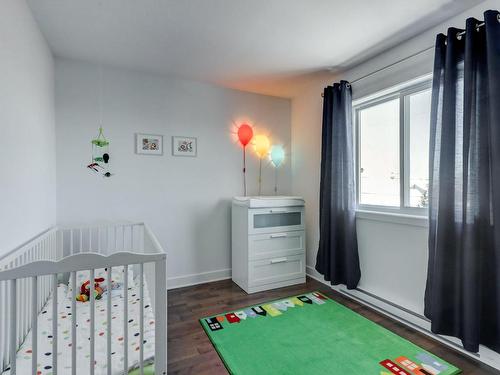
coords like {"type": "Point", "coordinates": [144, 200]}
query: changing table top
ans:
{"type": "Point", "coordinates": [268, 201]}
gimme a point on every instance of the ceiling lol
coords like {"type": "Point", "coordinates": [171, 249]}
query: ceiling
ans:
{"type": "Point", "coordinates": [256, 45]}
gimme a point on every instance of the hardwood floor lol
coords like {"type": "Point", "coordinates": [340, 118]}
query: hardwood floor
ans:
{"type": "Point", "coordinates": [190, 350]}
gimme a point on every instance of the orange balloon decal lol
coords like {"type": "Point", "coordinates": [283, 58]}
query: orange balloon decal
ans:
{"type": "Point", "coordinates": [261, 145]}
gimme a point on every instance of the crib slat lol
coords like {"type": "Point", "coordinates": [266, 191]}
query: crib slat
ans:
{"type": "Point", "coordinates": [54, 324]}
{"type": "Point", "coordinates": [34, 327]}
{"type": "Point", "coordinates": [125, 321]}
{"type": "Point", "coordinates": [92, 322]}
{"type": "Point", "coordinates": [23, 284]}
{"type": "Point", "coordinates": [81, 240]}
{"type": "Point", "coordinates": [60, 244]}
{"type": "Point", "coordinates": [109, 320]}
{"type": "Point", "coordinates": [90, 239]}
{"type": "Point", "coordinates": [141, 317]}
{"type": "Point", "coordinates": [3, 303]}
{"type": "Point", "coordinates": [160, 317]}
{"type": "Point", "coordinates": [99, 250]}
{"type": "Point", "coordinates": [73, 324]}
{"type": "Point", "coordinates": [13, 321]}
{"type": "Point", "coordinates": [116, 238]}
{"type": "Point", "coordinates": [24, 312]}
{"type": "Point", "coordinates": [132, 238]}
{"type": "Point", "coordinates": [19, 305]}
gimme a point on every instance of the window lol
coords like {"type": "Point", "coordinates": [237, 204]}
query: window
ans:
{"type": "Point", "coordinates": [393, 149]}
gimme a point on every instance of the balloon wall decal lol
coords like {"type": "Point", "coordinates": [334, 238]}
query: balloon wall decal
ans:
{"type": "Point", "coordinates": [245, 135]}
{"type": "Point", "coordinates": [277, 155]}
{"type": "Point", "coordinates": [261, 145]}
{"type": "Point", "coordinates": [263, 148]}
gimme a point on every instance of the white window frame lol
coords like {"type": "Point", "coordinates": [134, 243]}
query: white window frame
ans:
{"type": "Point", "coordinates": [402, 93]}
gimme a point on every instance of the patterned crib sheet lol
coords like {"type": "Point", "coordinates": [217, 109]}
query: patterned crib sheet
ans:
{"type": "Point", "coordinates": [45, 354]}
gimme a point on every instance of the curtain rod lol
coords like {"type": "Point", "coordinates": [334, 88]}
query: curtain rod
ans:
{"type": "Point", "coordinates": [459, 36]}
{"type": "Point", "coordinates": [390, 65]}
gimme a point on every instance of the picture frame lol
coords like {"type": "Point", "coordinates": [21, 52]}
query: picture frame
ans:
{"type": "Point", "coordinates": [148, 144]}
{"type": "Point", "coordinates": [184, 146]}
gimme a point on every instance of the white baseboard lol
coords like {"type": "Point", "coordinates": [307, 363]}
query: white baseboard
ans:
{"type": "Point", "coordinates": [408, 318]}
{"type": "Point", "coordinates": [198, 278]}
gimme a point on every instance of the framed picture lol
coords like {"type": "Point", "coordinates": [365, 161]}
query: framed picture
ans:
{"type": "Point", "coordinates": [184, 146]}
{"type": "Point", "coordinates": [149, 144]}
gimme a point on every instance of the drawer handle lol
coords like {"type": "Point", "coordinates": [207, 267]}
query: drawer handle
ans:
{"type": "Point", "coordinates": [278, 260]}
{"type": "Point", "coordinates": [278, 235]}
{"type": "Point", "coordinates": [278, 211]}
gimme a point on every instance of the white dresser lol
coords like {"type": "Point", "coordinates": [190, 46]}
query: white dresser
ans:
{"type": "Point", "coordinates": [268, 242]}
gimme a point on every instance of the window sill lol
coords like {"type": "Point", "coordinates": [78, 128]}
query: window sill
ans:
{"type": "Point", "coordinates": [391, 217]}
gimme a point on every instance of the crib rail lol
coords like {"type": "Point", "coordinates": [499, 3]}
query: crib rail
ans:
{"type": "Point", "coordinates": [69, 250]}
{"type": "Point", "coordinates": [44, 246]}
{"type": "Point", "coordinates": [77, 262]}
{"type": "Point", "coordinates": [105, 239]}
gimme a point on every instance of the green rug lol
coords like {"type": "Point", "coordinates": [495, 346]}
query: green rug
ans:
{"type": "Point", "coordinates": [311, 334]}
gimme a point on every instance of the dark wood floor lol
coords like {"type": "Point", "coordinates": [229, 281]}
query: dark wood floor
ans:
{"type": "Point", "coordinates": [190, 350]}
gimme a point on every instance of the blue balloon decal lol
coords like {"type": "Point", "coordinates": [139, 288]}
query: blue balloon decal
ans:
{"type": "Point", "coordinates": [277, 155]}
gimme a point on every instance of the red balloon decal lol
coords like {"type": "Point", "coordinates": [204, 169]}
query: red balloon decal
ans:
{"type": "Point", "coordinates": [245, 134]}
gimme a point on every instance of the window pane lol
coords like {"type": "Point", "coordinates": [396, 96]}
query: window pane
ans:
{"type": "Point", "coordinates": [419, 128]}
{"type": "Point", "coordinates": [379, 154]}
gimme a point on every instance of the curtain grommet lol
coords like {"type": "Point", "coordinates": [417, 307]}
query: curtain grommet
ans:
{"type": "Point", "coordinates": [459, 36]}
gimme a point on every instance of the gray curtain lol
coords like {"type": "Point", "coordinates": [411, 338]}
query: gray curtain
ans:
{"type": "Point", "coordinates": [463, 285]}
{"type": "Point", "coordinates": [337, 257]}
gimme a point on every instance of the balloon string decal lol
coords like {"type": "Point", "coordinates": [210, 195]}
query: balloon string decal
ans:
{"type": "Point", "coordinates": [245, 135]}
{"type": "Point", "coordinates": [260, 176]}
{"type": "Point", "coordinates": [275, 181]}
{"type": "Point", "coordinates": [244, 171]}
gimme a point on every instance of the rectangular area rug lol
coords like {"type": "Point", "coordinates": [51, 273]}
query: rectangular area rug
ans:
{"type": "Point", "coordinates": [311, 334]}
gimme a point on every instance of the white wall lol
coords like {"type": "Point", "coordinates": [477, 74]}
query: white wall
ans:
{"type": "Point", "coordinates": [381, 241]}
{"type": "Point", "coordinates": [185, 200]}
{"type": "Point", "coordinates": [27, 129]}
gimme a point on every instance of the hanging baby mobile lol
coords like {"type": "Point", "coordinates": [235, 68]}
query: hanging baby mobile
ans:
{"type": "Point", "coordinates": [100, 145]}
{"type": "Point", "coordinates": [100, 155]}
{"type": "Point", "coordinates": [277, 155]}
{"type": "Point", "coordinates": [245, 135]}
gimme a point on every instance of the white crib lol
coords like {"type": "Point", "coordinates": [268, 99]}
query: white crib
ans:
{"type": "Point", "coordinates": [30, 274]}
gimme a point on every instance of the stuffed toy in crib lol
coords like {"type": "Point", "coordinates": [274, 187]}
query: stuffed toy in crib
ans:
{"type": "Point", "coordinates": [85, 290]}
{"type": "Point", "coordinates": [101, 287]}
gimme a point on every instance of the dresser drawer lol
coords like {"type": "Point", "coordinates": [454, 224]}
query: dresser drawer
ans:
{"type": "Point", "coordinates": [274, 270]}
{"type": "Point", "coordinates": [279, 244]}
{"type": "Point", "coordinates": [270, 220]}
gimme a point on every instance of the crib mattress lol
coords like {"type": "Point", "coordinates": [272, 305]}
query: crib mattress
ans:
{"type": "Point", "coordinates": [83, 334]}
